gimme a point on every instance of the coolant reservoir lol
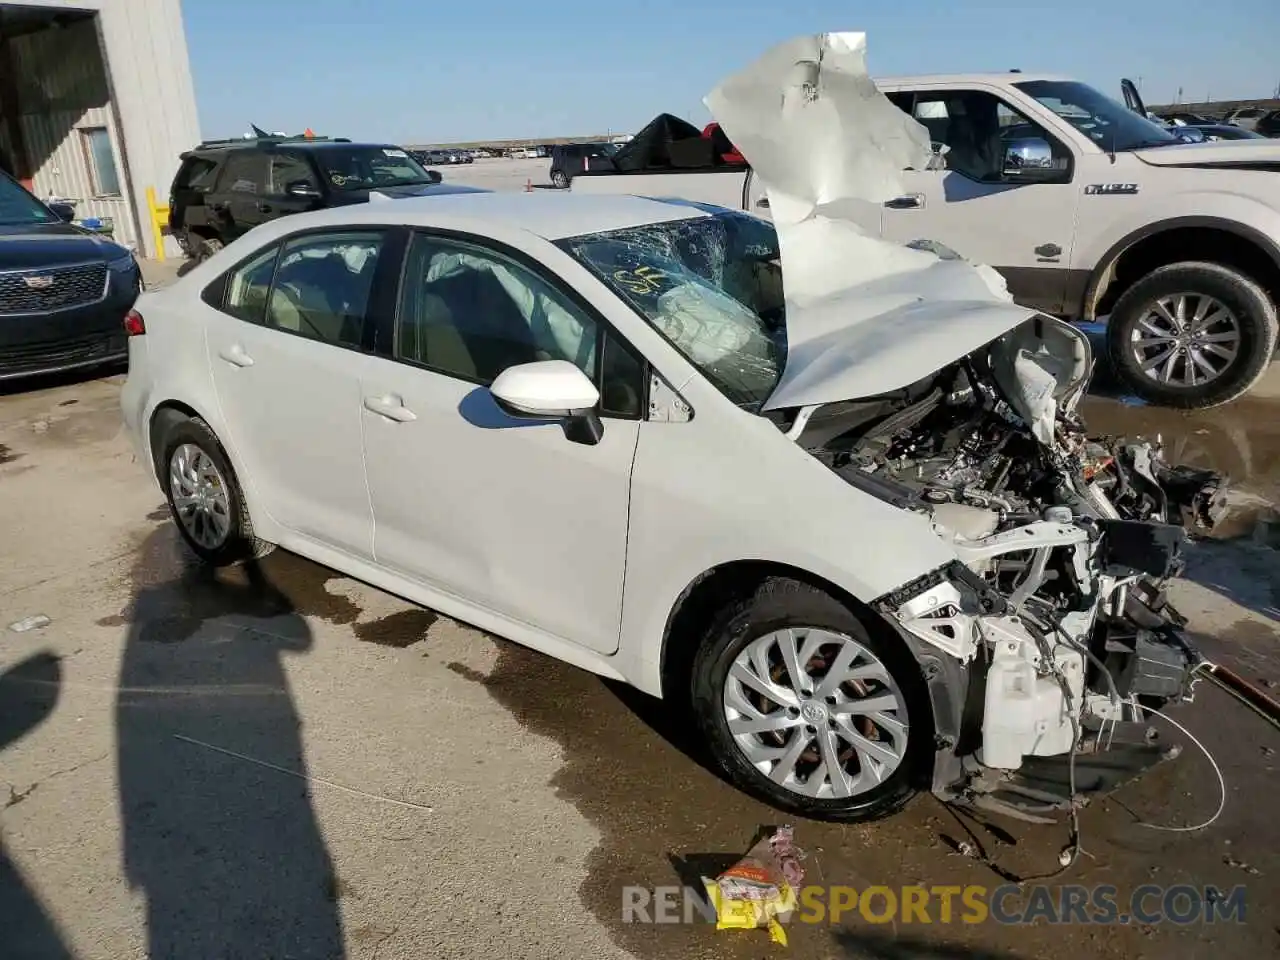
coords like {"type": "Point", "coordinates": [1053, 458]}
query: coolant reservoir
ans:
{"type": "Point", "coordinates": [1026, 714]}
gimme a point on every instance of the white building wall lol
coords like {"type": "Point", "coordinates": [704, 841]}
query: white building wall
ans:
{"type": "Point", "coordinates": [152, 98]}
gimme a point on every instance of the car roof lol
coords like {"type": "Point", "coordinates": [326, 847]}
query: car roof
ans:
{"type": "Point", "coordinates": [275, 144]}
{"type": "Point", "coordinates": [958, 79]}
{"type": "Point", "coordinates": [550, 214]}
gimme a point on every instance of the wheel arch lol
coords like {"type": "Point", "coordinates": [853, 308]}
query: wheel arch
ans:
{"type": "Point", "coordinates": [171, 411]}
{"type": "Point", "coordinates": [944, 679]}
{"type": "Point", "coordinates": [1199, 238]}
{"type": "Point", "coordinates": [712, 589]}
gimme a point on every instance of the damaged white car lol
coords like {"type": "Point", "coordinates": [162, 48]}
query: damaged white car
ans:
{"type": "Point", "coordinates": [852, 519]}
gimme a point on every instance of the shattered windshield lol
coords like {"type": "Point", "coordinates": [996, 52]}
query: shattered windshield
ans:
{"type": "Point", "coordinates": [1108, 123]}
{"type": "Point", "coordinates": [711, 285]}
{"type": "Point", "coordinates": [370, 168]}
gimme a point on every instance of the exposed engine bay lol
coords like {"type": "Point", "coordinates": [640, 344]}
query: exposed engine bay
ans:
{"type": "Point", "coordinates": [1053, 617]}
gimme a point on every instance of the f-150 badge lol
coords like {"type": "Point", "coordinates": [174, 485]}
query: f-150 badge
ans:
{"type": "Point", "coordinates": [1110, 189]}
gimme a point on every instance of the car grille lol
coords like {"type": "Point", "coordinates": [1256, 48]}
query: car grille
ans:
{"type": "Point", "coordinates": [62, 353]}
{"type": "Point", "coordinates": [38, 291]}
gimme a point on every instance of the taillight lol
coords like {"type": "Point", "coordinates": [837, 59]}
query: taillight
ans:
{"type": "Point", "coordinates": [133, 324]}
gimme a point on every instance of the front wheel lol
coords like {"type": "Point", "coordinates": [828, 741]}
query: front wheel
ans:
{"type": "Point", "coordinates": [559, 180]}
{"type": "Point", "coordinates": [806, 709]}
{"type": "Point", "coordinates": [1192, 335]}
{"type": "Point", "coordinates": [204, 496]}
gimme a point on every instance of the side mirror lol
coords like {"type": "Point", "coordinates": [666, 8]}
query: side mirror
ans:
{"type": "Point", "coordinates": [434, 176]}
{"type": "Point", "coordinates": [551, 390]}
{"type": "Point", "coordinates": [1030, 160]}
{"type": "Point", "coordinates": [302, 189]}
{"type": "Point", "coordinates": [63, 211]}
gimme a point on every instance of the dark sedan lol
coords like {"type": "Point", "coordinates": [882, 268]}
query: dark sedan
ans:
{"type": "Point", "coordinates": [64, 291]}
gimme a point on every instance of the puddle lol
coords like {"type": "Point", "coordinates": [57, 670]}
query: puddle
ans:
{"type": "Point", "coordinates": [1240, 440]}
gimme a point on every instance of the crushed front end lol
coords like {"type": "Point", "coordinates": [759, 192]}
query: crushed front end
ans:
{"type": "Point", "coordinates": [1050, 631]}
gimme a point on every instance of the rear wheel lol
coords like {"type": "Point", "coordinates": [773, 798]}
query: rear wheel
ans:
{"type": "Point", "coordinates": [806, 709]}
{"type": "Point", "coordinates": [559, 179]}
{"type": "Point", "coordinates": [204, 496]}
{"type": "Point", "coordinates": [1192, 335]}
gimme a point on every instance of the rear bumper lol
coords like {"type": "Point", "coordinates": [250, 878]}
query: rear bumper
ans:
{"type": "Point", "coordinates": [74, 338]}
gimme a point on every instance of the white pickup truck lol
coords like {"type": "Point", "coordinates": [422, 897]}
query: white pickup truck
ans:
{"type": "Point", "coordinates": [1089, 210]}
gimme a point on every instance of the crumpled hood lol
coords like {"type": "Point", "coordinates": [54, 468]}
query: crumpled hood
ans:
{"type": "Point", "coordinates": [864, 315]}
{"type": "Point", "coordinates": [888, 332]}
{"type": "Point", "coordinates": [1213, 153]}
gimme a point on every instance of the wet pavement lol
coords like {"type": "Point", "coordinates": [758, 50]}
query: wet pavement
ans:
{"type": "Point", "coordinates": [550, 789]}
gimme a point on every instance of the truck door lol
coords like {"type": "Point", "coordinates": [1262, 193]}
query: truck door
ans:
{"type": "Point", "coordinates": [1006, 197]}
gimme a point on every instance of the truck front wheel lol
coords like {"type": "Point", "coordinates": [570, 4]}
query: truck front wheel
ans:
{"type": "Point", "coordinates": [1192, 335]}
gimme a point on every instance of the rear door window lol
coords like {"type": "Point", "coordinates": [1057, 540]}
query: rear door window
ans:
{"type": "Point", "coordinates": [198, 174]}
{"type": "Point", "coordinates": [323, 284]}
{"type": "Point", "coordinates": [245, 172]}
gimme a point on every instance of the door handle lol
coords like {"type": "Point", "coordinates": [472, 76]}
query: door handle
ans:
{"type": "Point", "coordinates": [236, 356]}
{"type": "Point", "coordinates": [763, 202]}
{"type": "Point", "coordinates": [264, 207]}
{"type": "Point", "coordinates": [912, 201]}
{"type": "Point", "coordinates": [390, 407]}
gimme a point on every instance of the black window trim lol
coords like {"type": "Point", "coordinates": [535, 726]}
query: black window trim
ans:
{"type": "Point", "coordinates": [389, 345]}
{"type": "Point", "coordinates": [380, 304]}
{"type": "Point", "coordinates": [933, 93]}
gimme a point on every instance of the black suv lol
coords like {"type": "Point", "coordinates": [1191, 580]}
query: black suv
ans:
{"type": "Point", "coordinates": [570, 159]}
{"type": "Point", "coordinates": [64, 290]}
{"type": "Point", "coordinates": [224, 188]}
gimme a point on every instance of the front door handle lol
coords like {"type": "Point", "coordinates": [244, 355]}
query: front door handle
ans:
{"type": "Point", "coordinates": [264, 207]}
{"type": "Point", "coordinates": [391, 407]}
{"type": "Point", "coordinates": [912, 201]}
{"type": "Point", "coordinates": [236, 356]}
{"type": "Point", "coordinates": [763, 202]}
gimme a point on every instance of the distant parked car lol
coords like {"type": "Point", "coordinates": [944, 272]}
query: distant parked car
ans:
{"type": "Point", "coordinates": [1246, 117]}
{"type": "Point", "coordinates": [1269, 126]}
{"type": "Point", "coordinates": [1184, 119]}
{"type": "Point", "coordinates": [1226, 131]}
{"type": "Point", "coordinates": [64, 290]}
{"type": "Point", "coordinates": [570, 159]}
{"type": "Point", "coordinates": [224, 188]}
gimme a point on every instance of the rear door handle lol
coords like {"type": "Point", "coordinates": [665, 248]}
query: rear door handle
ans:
{"type": "Point", "coordinates": [391, 407]}
{"type": "Point", "coordinates": [763, 202]}
{"type": "Point", "coordinates": [264, 207]}
{"type": "Point", "coordinates": [236, 356]}
{"type": "Point", "coordinates": [912, 201]}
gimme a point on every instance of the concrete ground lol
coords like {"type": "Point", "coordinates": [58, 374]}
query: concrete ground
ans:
{"type": "Point", "coordinates": [467, 797]}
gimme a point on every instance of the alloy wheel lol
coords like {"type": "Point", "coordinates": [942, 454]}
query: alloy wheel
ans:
{"type": "Point", "coordinates": [199, 495]}
{"type": "Point", "coordinates": [816, 712]}
{"type": "Point", "coordinates": [1185, 339]}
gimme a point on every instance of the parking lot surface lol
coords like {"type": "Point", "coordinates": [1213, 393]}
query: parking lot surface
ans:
{"type": "Point", "coordinates": [288, 763]}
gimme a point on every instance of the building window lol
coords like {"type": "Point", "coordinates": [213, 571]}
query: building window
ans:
{"type": "Point", "coordinates": [102, 163]}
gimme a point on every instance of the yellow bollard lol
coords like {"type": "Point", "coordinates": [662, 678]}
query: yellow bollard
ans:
{"type": "Point", "coordinates": [159, 220]}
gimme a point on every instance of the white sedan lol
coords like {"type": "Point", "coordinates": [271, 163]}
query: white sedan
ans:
{"type": "Point", "coordinates": [589, 425]}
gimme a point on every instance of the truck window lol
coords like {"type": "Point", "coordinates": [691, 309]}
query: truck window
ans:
{"type": "Point", "coordinates": [245, 172]}
{"type": "Point", "coordinates": [198, 174]}
{"type": "Point", "coordinates": [977, 128]}
{"type": "Point", "coordinates": [289, 168]}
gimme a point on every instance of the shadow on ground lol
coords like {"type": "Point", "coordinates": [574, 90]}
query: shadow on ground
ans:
{"type": "Point", "coordinates": [28, 694]}
{"type": "Point", "coordinates": [227, 852]}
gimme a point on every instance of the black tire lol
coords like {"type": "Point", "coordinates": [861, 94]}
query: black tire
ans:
{"type": "Point", "coordinates": [240, 543]}
{"type": "Point", "coordinates": [206, 247]}
{"type": "Point", "coordinates": [780, 603]}
{"type": "Point", "coordinates": [1254, 311]}
{"type": "Point", "coordinates": [559, 180]}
